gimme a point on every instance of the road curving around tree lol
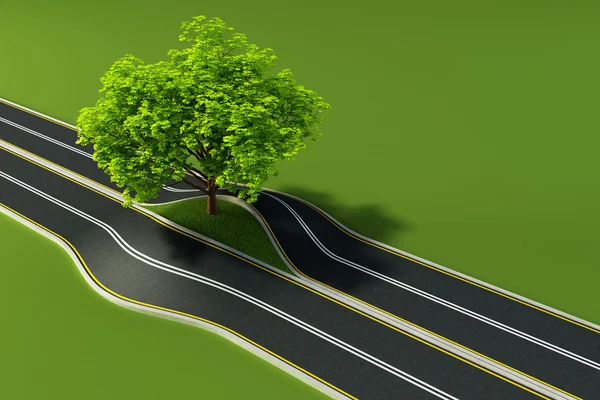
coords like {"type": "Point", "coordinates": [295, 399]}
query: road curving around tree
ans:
{"type": "Point", "coordinates": [277, 214]}
{"type": "Point", "coordinates": [348, 349]}
{"type": "Point", "coordinates": [130, 255]}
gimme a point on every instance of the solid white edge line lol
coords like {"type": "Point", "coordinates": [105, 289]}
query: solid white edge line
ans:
{"type": "Point", "coordinates": [45, 137]}
{"type": "Point", "coordinates": [307, 379]}
{"type": "Point", "coordinates": [423, 260]}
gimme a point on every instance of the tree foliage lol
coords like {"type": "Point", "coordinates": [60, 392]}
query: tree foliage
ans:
{"type": "Point", "coordinates": [216, 99]}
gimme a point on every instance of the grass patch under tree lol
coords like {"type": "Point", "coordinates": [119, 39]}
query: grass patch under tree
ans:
{"type": "Point", "coordinates": [233, 226]}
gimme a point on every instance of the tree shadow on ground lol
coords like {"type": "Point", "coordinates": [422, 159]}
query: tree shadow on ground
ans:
{"type": "Point", "coordinates": [202, 259]}
{"type": "Point", "coordinates": [370, 220]}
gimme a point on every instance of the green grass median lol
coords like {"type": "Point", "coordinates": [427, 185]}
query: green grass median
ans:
{"type": "Point", "coordinates": [233, 226]}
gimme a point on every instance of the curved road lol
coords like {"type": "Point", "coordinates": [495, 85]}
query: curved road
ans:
{"type": "Point", "coordinates": [550, 348]}
{"type": "Point", "coordinates": [359, 355]}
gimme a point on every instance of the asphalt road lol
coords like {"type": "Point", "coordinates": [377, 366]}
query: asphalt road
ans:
{"type": "Point", "coordinates": [126, 275]}
{"type": "Point", "coordinates": [524, 338]}
{"type": "Point", "coordinates": [534, 342]}
{"type": "Point", "coordinates": [38, 143]}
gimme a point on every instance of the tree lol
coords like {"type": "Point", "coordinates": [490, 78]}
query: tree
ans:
{"type": "Point", "coordinates": [214, 111]}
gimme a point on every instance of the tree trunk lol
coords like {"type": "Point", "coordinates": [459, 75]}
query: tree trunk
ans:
{"type": "Point", "coordinates": [211, 205]}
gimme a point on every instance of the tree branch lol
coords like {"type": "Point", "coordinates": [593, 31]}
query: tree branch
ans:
{"type": "Point", "coordinates": [195, 154]}
{"type": "Point", "coordinates": [196, 186]}
{"type": "Point", "coordinates": [203, 151]}
{"type": "Point", "coordinates": [203, 180]}
{"type": "Point", "coordinates": [211, 185]}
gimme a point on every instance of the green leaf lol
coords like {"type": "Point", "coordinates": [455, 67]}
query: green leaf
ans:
{"type": "Point", "coordinates": [216, 100]}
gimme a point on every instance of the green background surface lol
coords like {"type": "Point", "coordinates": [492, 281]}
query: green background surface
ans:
{"type": "Point", "coordinates": [464, 132]}
{"type": "Point", "coordinates": [62, 340]}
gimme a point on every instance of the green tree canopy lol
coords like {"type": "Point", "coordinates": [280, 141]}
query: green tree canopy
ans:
{"type": "Point", "coordinates": [216, 100]}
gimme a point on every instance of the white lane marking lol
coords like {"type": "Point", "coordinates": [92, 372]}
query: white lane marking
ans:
{"type": "Point", "coordinates": [433, 298]}
{"type": "Point", "coordinates": [48, 138]}
{"type": "Point", "coordinates": [218, 285]}
{"type": "Point", "coordinates": [172, 189]}
{"type": "Point", "coordinates": [76, 150]}
{"type": "Point", "coordinates": [37, 113]}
